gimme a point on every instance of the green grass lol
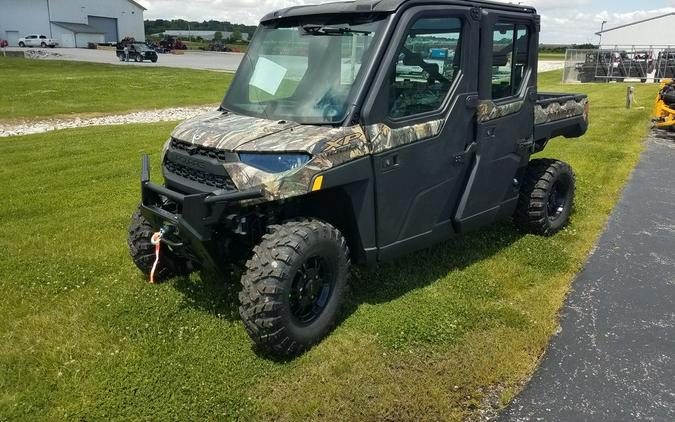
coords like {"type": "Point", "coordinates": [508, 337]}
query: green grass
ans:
{"type": "Point", "coordinates": [433, 336]}
{"type": "Point", "coordinates": [552, 56]}
{"type": "Point", "coordinates": [39, 88]}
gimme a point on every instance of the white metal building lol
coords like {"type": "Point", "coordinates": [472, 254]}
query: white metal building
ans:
{"type": "Point", "coordinates": [207, 35]}
{"type": "Point", "coordinates": [659, 30]}
{"type": "Point", "coordinates": [72, 23]}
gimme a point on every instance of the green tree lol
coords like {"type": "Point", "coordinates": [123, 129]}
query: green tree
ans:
{"type": "Point", "coordinates": [236, 35]}
{"type": "Point", "coordinates": [218, 36]}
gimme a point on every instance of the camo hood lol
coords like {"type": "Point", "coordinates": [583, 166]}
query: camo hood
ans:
{"type": "Point", "coordinates": [232, 132]}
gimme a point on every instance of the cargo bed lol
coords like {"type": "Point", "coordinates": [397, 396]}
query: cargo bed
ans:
{"type": "Point", "coordinates": [559, 114]}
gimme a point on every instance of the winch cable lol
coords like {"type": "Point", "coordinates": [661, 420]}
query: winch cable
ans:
{"type": "Point", "coordinates": [156, 240]}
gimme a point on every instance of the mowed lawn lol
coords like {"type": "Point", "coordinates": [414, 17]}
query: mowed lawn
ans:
{"type": "Point", "coordinates": [49, 88]}
{"type": "Point", "coordinates": [438, 335]}
{"type": "Point", "coordinates": [552, 56]}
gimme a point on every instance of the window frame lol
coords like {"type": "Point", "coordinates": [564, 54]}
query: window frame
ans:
{"type": "Point", "coordinates": [527, 71]}
{"type": "Point", "coordinates": [401, 42]}
{"type": "Point", "coordinates": [375, 103]}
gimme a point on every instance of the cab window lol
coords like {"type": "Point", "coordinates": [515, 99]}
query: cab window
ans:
{"type": "Point", "coordinates": [509, 59]}
{"type": "Point", "coordinates": [426, 65]}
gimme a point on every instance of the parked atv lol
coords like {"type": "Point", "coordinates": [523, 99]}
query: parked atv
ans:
{"type": "Point", "coordinates": [345, 138]}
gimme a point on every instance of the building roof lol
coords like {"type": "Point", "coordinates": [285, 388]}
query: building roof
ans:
{"type": "Point", "coordinates": [78, 28]}
{"type": "Point", "coordinates": [635, 23]}
{"type": "Point", "coordinates": [137, 4]}
{"type": "Point", "coordinates": [198, 33]}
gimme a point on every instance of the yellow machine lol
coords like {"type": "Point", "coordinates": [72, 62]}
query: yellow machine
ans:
{"type": "Point", "coordinates": [664, 109]}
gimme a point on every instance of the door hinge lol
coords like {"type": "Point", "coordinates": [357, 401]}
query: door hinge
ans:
{"type": "Point", "coordinates": [461, 158]}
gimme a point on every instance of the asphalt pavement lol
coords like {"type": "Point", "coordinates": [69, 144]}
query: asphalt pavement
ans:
{"type": "Point", "coordinates": [614, 358]}
{"type": "Point", "coordinates": [206, 60]}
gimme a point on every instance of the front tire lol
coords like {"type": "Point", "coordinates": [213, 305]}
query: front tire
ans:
{"type": "Point", "coordinates": [294, 286]}
{"type": "Point", "coordinates": [546, 197]}
{"type": "Point", "coordinates": [22, 44]}
{"type": "Point", "coordinates": [43, 45]}
{"type": "Point", "coordinates": [138, 59]}
{"type": "Point", "coordinates": [143, 252]}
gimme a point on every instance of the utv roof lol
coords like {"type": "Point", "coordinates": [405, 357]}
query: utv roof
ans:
{"type": "Point", "coordinates": [383, 6]}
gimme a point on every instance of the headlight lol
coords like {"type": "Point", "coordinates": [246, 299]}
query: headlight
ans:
{"type": "Point", "coordinates": [274, 163]}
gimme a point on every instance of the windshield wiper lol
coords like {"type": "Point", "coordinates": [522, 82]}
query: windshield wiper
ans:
{"type": "Point", "coordinates": [331, 30]}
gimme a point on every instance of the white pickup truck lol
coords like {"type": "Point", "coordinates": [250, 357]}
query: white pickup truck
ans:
{"type": "Point", "coordinates": [37, 40]}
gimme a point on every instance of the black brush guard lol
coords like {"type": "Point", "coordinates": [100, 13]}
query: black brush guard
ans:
{"type": "Point", "coordinates": [199, 213]}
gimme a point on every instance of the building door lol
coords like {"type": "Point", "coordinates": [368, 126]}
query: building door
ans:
{"type": "Point", "coordinates": [107, 26]}
{"type": "Point", "coordinates": [12, 38]}
{"type": "Point", "coordinates": [68, 40]}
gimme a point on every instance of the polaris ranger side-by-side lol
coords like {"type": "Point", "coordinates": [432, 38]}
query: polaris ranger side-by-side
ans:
{"type": "Point", "coordinates": [353, 133]}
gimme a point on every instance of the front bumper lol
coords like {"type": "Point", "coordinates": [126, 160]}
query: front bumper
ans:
{"type": "Point", "coordinates": [193, 217]}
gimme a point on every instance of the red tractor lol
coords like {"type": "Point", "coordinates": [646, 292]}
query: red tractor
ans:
{"type": "Point", "coordinates": [171, 43]}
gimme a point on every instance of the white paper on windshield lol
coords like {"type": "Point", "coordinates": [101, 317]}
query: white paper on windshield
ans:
{"type": "Point", "coordinates": [268, 75]}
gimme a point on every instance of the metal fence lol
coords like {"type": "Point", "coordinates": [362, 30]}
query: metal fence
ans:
{"type": "Point", "coordinates": [634, 63]}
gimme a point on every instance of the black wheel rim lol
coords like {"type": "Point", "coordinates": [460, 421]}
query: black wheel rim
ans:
{"type": "Point", "coordinates": [311, 290]}
{"type": "Point", "coordinates": [557, 201]}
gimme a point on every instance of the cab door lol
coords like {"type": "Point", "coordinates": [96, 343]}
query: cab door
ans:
{"type": "Point", "coordinates": [419, 121]}
{"type": "Point", "coordinates": [504, 119]}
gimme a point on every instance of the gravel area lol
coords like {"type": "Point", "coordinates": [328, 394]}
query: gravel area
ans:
{"type": "Point", "coordinates": [547, 66]}
{"type": "Point", "coordinates": [40, 126]}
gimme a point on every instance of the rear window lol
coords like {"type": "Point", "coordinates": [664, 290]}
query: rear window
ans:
{"type": "Point", "coordinates": [509, 60]}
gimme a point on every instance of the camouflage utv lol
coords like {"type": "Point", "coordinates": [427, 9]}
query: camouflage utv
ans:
{"type": "Point", "coordinates": [348, 137]}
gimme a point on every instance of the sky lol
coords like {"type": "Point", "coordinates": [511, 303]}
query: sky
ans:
{"type": "Point", "coordinates": [562, 21]}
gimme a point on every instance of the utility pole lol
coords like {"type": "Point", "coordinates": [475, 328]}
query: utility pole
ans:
{"type": "Point", "coordinates": [602, 28]}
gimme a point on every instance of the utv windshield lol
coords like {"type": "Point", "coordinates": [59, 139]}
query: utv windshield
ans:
{"type": "Point", "coordinates": [304, 71]}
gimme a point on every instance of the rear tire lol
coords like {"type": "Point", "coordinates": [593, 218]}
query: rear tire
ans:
{"type": "Point", "coordinates": [294, 285]}
{"type": "Point", "coordinates": [546, 197]}
{"type": "Point", "coordinates": [43, 45]}
{"type": "Point", "coordinates": [143, 252]}
{"type": "Point", "coordinates": [138, 59]}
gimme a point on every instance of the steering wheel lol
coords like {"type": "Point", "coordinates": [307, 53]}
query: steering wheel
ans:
{"type": "Point", "coordinates": [414, 59]}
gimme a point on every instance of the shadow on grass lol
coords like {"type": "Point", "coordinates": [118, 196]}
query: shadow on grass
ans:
{"type": "Point", "coordinates": [211, 292]}
{"type": "Point", "coordinates": [393, 279]}
{"type": "Point", "coordinates": [217, 293]}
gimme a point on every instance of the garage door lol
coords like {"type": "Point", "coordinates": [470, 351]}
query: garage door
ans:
{"type": "Point", "coordinates": [12, 38]}
{"type": "Point", "coordinates": [68, 40]}
{"type": "Point", "coordinates": [108, 26]}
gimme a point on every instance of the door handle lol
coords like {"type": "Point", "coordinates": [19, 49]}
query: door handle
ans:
{"type": "Point", "coordinates": [390, 162]}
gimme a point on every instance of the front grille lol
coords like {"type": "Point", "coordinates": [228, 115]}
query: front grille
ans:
{"type": "Point", "coordinates": [216, 181]}
{"type": "Point", "coordinates": [199, 150]}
